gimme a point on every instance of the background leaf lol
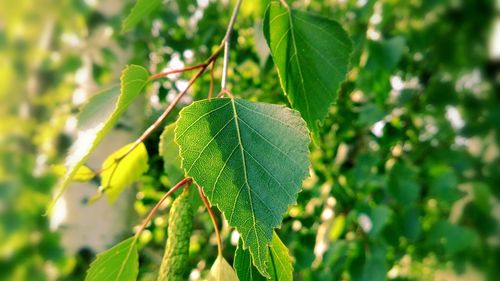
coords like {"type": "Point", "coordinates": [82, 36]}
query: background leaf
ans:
{"type": "Point", "coordinates": [169, 151]}
{"type": "Point", "coordinates": [120, 263]}
{"type": "Point", "coordinates": [116, 176]}
{"type": "Point", "coordinates": [98, 117]}
{"type": "Point", "coordinates": [311, 54]}
{"type": "Point", "coordinates": [250, 159]}
{"type": "Point", "coordinates": [140, 10]}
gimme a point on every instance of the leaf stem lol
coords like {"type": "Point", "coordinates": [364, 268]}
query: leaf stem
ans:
{"type": "Point", "coordinates": [186, 181]}
{"type": "Point", "coordinates": [227, 42]}
{"type": "Point", "coordinates": [212, 217]}
{"type": "Point", "coordinates": [284, 3]}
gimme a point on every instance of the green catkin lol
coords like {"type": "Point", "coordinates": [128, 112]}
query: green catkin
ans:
{"type": "Point", "coordinates": [180, 223]}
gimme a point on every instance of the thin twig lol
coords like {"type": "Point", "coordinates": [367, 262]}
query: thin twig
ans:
{"type": "Point", "coordinates": [212, 217]}
{"type": "Point", "coordinates": [202, 67]}
{"type": "Point", "coordinates": [155, 208]}
{"type": "Point", "coordinates": [174, 71]}
{"type": "Point", "coordinates": [227, 43]}
{"type": "Point", "coordinates": [169, 109]}
{"type": "Point", "coordinates": [225, 91]}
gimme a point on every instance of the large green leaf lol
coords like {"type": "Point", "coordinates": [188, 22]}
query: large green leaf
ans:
{"type": "Point", "coordinates": [118, 175]}
{"type": "Point", "coordinates": [250, 159]}
{"type": "Point", "coordinates": [120, 263]}
{"type": "Point", "coordinates": [140, 10]}
{"type": "Point", "coordinates": [169, 151]}
{"type": "Point", "coordinates": [311, 54]}
{"type": "Point", "coordinates": [98, 117]}
{"type": "Point", "coordinates": [279, 265]}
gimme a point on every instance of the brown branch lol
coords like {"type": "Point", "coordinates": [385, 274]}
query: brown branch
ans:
{"type": "Point", "coordinates": [212, 217]}
{"type": "Point", "coordinates": [211, 91]}
{"type": "Point", "coordinates": [172, 105]}
{"type": "Point", "coordinates": [186, 181]}
{"type": "Point", "coordinates": [174, 71]}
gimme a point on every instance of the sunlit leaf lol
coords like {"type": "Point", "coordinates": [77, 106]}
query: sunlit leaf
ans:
{"type": "Point", "coordinates": [120, 263]}
{"type": "Point", "coordinates": [99, 116]}
{"type": "Point", "coordinates": [83, 174]}
{"type": "Point", "coordinates": [279, 265]}
{"type": "Point", "coordinates": [118, 175]}
{"type": "Point", "coordinates": [169, 151]}
{"type": "Point", "coordinates": [311, 54]}
{"type": "Point", "coordinates": [250, 159]}
{"type": "Point", "coordinates": [222, 271]}
{"type": "Point", "coordinates": [140, 10]}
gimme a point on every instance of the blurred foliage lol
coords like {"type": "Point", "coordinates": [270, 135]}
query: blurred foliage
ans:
{"type": "Point", "coordinates": [403, 178]}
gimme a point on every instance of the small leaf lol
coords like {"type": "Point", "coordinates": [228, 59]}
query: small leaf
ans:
{"type": "Point", "coordinates": [95, 120]}
{"type": "Point", "coordinates": [83, 174]}
{"type": "Point", "coordinates": [222, 271]}
{"type": "Point", "coordinates": [250, 159]}
{"type": "Point", "coordinates": [116, 176]}
{"type": "Point", "coordinates": [311, 54]}
{"type": "Point", "coordinates": [120, 263]}
{"type": "Point", "coordinates": [140, 10]}
{"type": "Point", "coordinates": [169, 151]}
{"type": "Point", "coordinates": [279, 264]}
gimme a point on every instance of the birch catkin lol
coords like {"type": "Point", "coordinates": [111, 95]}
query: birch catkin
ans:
{"type": "Point", "coordinates": [180, 223]}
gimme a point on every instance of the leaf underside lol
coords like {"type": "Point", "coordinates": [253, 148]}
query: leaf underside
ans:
{"type": "Point", "coordinates": [169, 151]}
{"type": "Point", "coordinates": [311, 54]}
{"type": "Point", "coordinates": [120, 263]}
{"type": "Point", "coordinates": [250, 159]}
{"type": "Point", "coordinates": [97, 118]}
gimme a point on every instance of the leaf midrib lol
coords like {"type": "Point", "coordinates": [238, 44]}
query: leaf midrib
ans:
{"type": "Point", "coordinates": [294, 43]}
{"type": "Point", "coordinates": [245, 173]}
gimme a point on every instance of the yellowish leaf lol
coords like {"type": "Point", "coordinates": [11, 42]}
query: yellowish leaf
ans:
{"type": "Point", "coordinates": [83, 173]}
{"type": "Point", "coordinates": [222, 271]}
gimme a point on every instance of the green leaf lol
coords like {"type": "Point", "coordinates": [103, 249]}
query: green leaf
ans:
{"type": "Point", "coordinates": [375, 267]}
{"type": "Point", "coordinates": [243, 265]}
{"type": "Point", "coordinates": [222, 271]}
{"type": "Point", "coordinates": [95, 120]}
{"type": "Point", "coordinates": [117, 175]}
{"type": "Point", "coordinates": [250, 159]}
{"type": "Point", "coordinates": [279, 265]}
{"type": "Point", "coordinates": [140, 10]}
{"type": "Point", "coordinates": [169, 151]}
{"type": "Point", "coordinates": [120, 263]}
{"type": "Point", "coordinates": [379, 216]}
{"type": "Point", "coordinates": [311, 54]}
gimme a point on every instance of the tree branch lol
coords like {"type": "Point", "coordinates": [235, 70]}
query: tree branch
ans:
{"type": "Point", "coordinates": [186, 181]}
{"type": "Point", "coordinates": [212, 217]}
